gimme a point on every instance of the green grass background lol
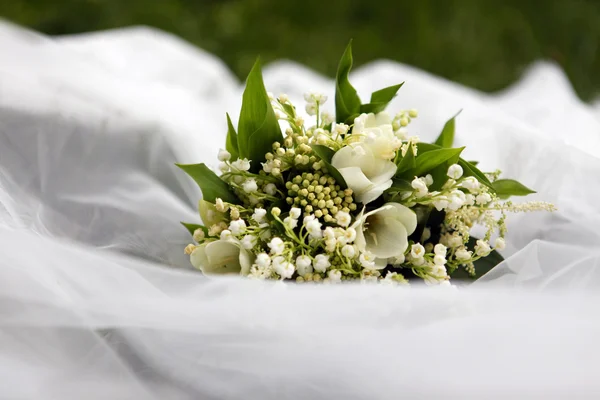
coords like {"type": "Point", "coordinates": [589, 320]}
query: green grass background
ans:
{"type": "Point", "coordinates": [484, 44]}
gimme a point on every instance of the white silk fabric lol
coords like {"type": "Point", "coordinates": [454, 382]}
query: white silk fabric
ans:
{"type": "Point", "coordinates": [97, 299]}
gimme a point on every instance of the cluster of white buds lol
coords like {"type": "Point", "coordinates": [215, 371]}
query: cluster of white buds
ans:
{"type": "Point", "coordinates": [314, 100]}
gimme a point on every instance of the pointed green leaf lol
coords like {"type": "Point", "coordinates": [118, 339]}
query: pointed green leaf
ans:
{"type": "Point", "coordinates": [471, 170]}
{"type": "Point", "coordinates": [423, 147]}
{"type": "Point", "coordinates": [258, 128]}
{"type": "Point", "coordinates": [326, 154]}
{"type": "Point", "coordinates": [231, 143]}
{"type": "Point", "coordinates": [406, 163]}
{"type": "Point", "coordinates": [380, 99]}
{"type": "Point", "coordinates": [400, 185]}
{"type": "Point", "coordinates": [446, 138]}
{"type": "Point", "coordinates": [431, 159]}
{"type": "Point", "coordinates": [347, 102]}
{"type": "Point", "coordinates": [192, 228]}
{"type": "Point", "coordinates": [211, 185]}
{"type": "Point", "coordinates": [474, 162]}
{"type": "Point", "coordinates": [509, 187]}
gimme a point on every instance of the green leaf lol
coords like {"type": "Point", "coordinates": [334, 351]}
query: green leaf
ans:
{"type": "Point", "coordinates": [471, 170]}
{"type": "Point", "coordinates": [347, 102]}
{"type": "Point", "coordinates": [211, 185]}
{"type": "Point", "coordinates": [231, 144]}
{"type": "Point", "coordinates": [482, 266]}
{"type": "Point", "coordinates": [423, 147]}
{"type": "Point", "coordinates": [258, 128]}
{"type": "Point", "coordinates": [326, 154]}
{"type": "Point", "coordinates": [380, 99]}
{"type": "Point", "coordinates": [398, 186]}
{"type": "Point", "coordinates": [406, 163]}
{"type": "Point", "coordinates": [431, 159]}
{"type": "Point", "coordinates": [192, 227]}
{"type": "Point", "coordinates": [401, 185]}
{"type": "Point", "coordinates": [509, 187]}
{"type": "Point", "coordinates": [474, 162]}
{"type": "Point", "coordinates": [446, 138]}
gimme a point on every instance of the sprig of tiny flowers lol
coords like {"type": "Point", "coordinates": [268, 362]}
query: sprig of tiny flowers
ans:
{"type": "Point", "coordinates": [296, 221]}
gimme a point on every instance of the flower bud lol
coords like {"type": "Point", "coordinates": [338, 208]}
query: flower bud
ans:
{"type": "Point", "coordinates": [189, 248]}
{"type": "Point", "coordinates": [224, 155]}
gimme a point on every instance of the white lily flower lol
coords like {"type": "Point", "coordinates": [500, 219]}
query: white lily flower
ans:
{"type": "Point", "coordinates": [221, 257]}
{"type": "Point", "coordinates": [367, 175]}
{"type": "Point", "coordinates": [384, 232]}
{"type": "Point", "coordinates": [376, 131]}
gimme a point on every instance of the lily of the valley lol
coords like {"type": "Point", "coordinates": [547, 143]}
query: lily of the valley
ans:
{"type": "Point", "coordinates": [384, 232]}
{"type": "Point", "coordinates": [366, 174]}
{"type": "Point", "coordinates": [221, 257]}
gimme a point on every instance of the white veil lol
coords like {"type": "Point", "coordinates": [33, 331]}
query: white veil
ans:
{"type": "Point", "coordinates": [96, 301]}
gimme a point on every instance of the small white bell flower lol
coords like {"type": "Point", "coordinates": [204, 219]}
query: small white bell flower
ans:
{"type": "Point", "coordinates": [455, 171]}
{"type": "Point", "coordinates": [290, 222]}
{"type": "Point", "coordinates": [482, 248]}
{"type": "Point", "coordinates": [237, 227]}
{"type": "Point", "coordinates": [499, 243]}
{"type": "Point", "coordinates": [463, 254]}
{"type": "Point", "coordinates": [295, 212]}
{"type": "Point", "coordinates": [285, 269]}
{"type": "Point", "coordinates": [483, 198]}
{"type": "Point", "coordinates": [321, 263]}
{"type": "Point", "coordinates": [348, 251]}
{"type": "Point", "coordinates": [263, 260]}
{"type": "Point", "coordinates": [241, 164]}
{"type": "Point", "coordinates": [417, 251]}
{"type": "Point", "coordinates": [249, 241]}
{"type": "Point", "coordinates": [224, 155]}
{"type": "Point", "coordinates": [420, 187]}
{"type": "Point", "coordinates": [470, 183]}
{"type": "Point", "coordinates": [440, 250]}
{"type": "Point", "coordinates": [335, 276]}
{"type": "Point", "coordinates": [250, 185]}
{"type": "Point", "coordinates": [259, 215]}
{"type": "Point", "coordinates": [343, 218]}
{"type": "Point", "coordinates": [270, 189]}
{"type": "Point", "coordinates": [304, 265]}
{"type": "Point", "coordinates": [226, 234]}
{"type": "Point", "coordinates": [439, 260]}
{"type": "Point", "coordinates": [276, 245]}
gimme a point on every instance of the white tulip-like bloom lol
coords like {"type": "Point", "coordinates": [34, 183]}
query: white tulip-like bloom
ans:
{"type": "Point", "coordinates": [366, 174]}
{"type": "Point", "coordinates": [221, 257]}
{"type": "Point", "coordinates": [376, 131]}
{"type": "Point", "coordinates": [384, 232]}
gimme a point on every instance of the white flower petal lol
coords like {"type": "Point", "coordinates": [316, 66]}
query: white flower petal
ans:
{"type": "Point", "coordinates": [387, 231]}
{"type": "Point", "coordinates": [220, 257]}
{"type": "Point", "coordinates": [406, 216]}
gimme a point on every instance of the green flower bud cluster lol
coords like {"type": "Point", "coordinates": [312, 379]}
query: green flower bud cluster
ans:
{"type": "Point", "coordinates": [317, 193]}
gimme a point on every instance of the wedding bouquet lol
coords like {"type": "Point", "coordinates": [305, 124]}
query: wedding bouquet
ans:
{"type": "Point", "coordinates": [351, 198]}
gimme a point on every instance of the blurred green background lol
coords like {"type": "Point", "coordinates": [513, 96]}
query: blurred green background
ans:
{"type": "Point", "coordinates": [480, 43]}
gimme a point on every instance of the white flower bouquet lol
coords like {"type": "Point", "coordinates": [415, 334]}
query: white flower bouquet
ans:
{"type": "Point", "coordinates": [357, 198]}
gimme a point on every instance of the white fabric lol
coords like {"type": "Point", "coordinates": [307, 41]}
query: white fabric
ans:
{"type": "Point", "coordinates": [95, 298]}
